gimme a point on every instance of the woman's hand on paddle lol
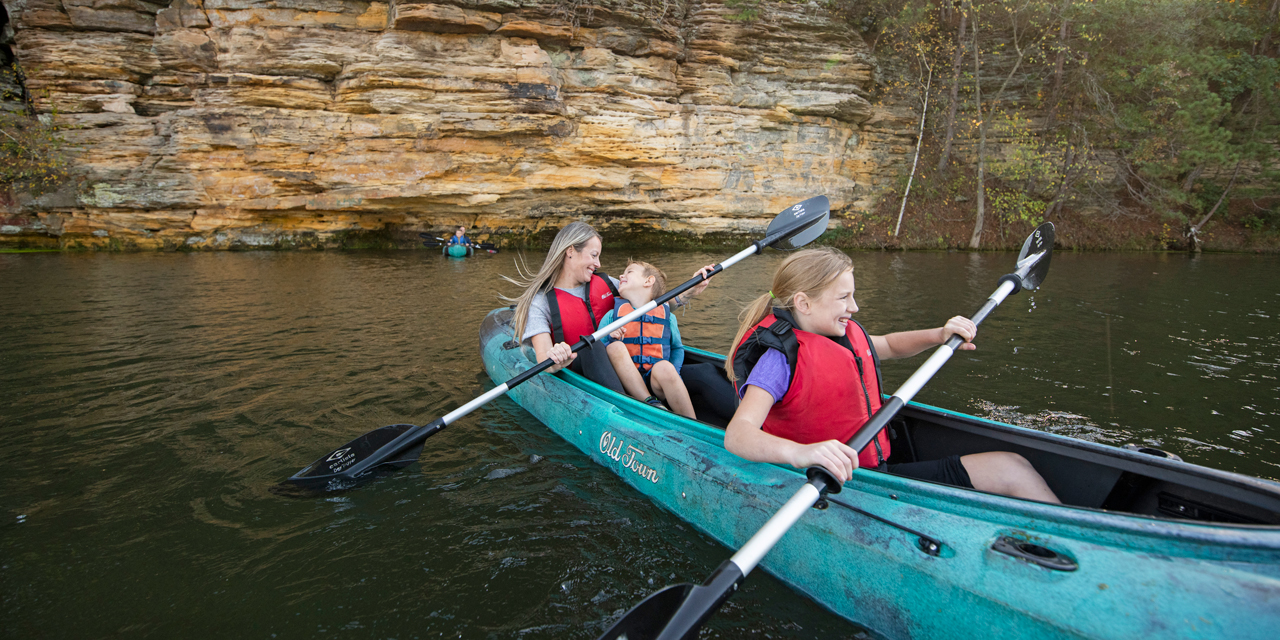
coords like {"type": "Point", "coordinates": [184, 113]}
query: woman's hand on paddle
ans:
{"type": "Point", "coordinates": [963, 327]}
{"type": "Point", "coordinates": [832, 455]}
{"type": "Point", "coordinates": [561, 354]}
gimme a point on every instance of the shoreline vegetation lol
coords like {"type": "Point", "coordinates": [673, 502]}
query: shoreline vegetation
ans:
{"type": "Point", "coordinates": [939, 227]}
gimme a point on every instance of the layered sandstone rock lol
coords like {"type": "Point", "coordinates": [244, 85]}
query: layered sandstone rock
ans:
{"type": "Point", "coordinates": [217, 123]}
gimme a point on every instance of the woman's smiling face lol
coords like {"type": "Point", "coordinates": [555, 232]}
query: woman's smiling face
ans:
{"type": "Point", "coordinates": [828, 313]}
{"type": "Point", "coordinates": [581, 265]}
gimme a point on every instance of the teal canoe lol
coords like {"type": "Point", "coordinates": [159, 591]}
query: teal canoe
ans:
{"type": "Point", "coordinates": [1146, 546]}
{"type": "Point", "coordinates": [458, 250]}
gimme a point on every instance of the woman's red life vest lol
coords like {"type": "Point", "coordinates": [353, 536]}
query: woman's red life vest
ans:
{"type": "Point", "coordinates": [648, 339]}
{"type": "Point", "coordinates": [835, 383]}
{"type": "Point", "coordinates": [571, 318]}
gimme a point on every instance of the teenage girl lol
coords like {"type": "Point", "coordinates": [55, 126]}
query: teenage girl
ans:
{"type": "Point", "coordinates": [808, 377]}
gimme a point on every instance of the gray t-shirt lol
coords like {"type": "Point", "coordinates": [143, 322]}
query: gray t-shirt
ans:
{"type": "Point", "coordinates": [540, 312]}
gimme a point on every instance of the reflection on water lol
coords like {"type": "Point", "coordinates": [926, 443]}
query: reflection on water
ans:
{"type": "Point", "coordinates": [149, 401]}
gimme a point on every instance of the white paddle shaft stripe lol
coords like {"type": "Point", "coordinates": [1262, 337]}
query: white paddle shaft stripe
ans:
{"type": "Point", "coordinates": [745, 253]}
{"type": "Point", "coordinates": [480, 400]}
{"type": "Point", "coordinates": [754, 550]}
{"type": "Point", "coordinates": [916, 382]}
{"type": "Point", "coordinates": [1002, 292]}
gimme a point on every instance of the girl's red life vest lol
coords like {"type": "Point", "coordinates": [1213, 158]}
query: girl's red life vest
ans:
{"type": "Point", "coordinates": [571, 318]}
{"type": "Point", "coordinates": [835, 383]}
{"type": "Point", "coordinates": [648, 339]}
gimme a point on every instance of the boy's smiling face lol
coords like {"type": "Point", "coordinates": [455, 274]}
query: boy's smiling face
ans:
{"type": "Point", "coordinates": [634, 285]}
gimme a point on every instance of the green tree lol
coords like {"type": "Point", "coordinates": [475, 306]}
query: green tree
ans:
{"type": "Point", "coordinates": [1194, 96]}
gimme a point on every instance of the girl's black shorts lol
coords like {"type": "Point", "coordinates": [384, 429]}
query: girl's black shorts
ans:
{"type": "Point", "coordinates": [948, 470]}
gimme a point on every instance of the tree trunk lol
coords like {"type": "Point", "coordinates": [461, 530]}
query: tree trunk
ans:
{"type": "Point", "coordinates": [1190, 182]}
{"type": "Point", "coordinates": [1272, 14]}
{"type": "Point", "coordinates": [1062, 51]}
{"type": "Point", "coordinates": [1194, 232]}
{"type": "Point", "coordinates": [1067, 159]}
{"type": "Point", "coordinates": [975, 240]}
{"type": "Point", "coordinates": [957, 62]}
{"type": "Point", "coordinates": [920, 138]}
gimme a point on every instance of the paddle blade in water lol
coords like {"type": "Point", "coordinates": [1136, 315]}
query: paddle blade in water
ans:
{"type": "Point", "coordinates": [378, 451]}
{"type": "Point", "coordinates": [800, 224]}
{"type": "Point", "coordinates": [1039, 243]}
{"type": "Point", "coordinates": [677, 613]}
{"type": "Point", "coordinates": [647, 619]}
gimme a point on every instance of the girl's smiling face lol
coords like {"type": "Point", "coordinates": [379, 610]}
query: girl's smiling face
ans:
{"type": "Point", "coordinates": [828, 312]}
{"type": "Point", "coordinates": [581, 265]}
{"type": "Point", "coordinates": [632, 283]}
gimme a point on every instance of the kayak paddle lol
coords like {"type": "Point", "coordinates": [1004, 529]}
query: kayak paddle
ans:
{"type": "Point", "coordinates": [678, 612]}
{"type": "Point", "coordinates": [395, 446]}
{"type": "Point", "coordinates": [436, 241]}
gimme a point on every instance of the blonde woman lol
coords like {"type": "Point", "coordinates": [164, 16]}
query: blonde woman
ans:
{"type": "Point", "coordinates": [567, 298]}
{"type": "Point", "coordinates": [809, 377]}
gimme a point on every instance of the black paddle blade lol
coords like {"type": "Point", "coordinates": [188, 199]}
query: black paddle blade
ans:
{"type": "Point", "coordinates": [1039, 242]}
{"type": "Point", "coordinates": [677, 613]}
{"type": "Point", "coordinates": [647, 619]}
{"type": "Point", "coordinates": [800, 224]}
{"type": "Point", "coordinates": [372, 454]}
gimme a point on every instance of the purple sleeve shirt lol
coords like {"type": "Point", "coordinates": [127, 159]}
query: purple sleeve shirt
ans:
{"type": "Point", "coordinates": [771, 374]}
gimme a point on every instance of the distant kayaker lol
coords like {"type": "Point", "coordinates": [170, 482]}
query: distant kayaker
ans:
{"type": "Point", "coordinates": [809, 377]}
{"type": "Point", "coordinates": [647, 353]}
{"type": "Point", "coordinates": [460, 236]}
{"type": "Point", "coordinates": [553, 311]}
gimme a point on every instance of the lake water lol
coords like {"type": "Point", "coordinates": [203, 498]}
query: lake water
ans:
{"type": "Point", "coordinates": [149, 401]}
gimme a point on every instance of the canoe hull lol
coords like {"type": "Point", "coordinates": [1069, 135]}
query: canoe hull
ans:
{"type": "Point", "coordinates": [1134, 576]}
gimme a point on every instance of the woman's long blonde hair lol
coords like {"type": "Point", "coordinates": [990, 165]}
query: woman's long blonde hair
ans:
{"type": "Point", "coordinates": [809, 272]}
{"type": "Point", "coordinates": [576, 235]}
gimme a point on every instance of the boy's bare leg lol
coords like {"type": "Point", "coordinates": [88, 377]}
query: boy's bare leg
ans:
{"type": "Point", "coordinates": [667, 385]}
{"type": "Point", "coordinates": [627, 372]}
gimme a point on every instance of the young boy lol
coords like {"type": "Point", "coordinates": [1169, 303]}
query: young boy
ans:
{"type": "Point", "coordinates": [459, 236]}
{"type": "Point", "coordinates": [647, 353]}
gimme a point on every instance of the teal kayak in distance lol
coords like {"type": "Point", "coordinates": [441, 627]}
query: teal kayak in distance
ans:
{"type": "Point", "coordinates": [1146, 546]}
{"type": "Point", "coordinates": [458, 250]}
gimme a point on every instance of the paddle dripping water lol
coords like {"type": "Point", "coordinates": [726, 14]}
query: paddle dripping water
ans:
{"type": "Point", "coordinates": [149, 400]}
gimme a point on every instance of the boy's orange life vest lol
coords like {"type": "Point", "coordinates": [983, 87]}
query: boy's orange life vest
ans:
{"type": "Point", "coordinates": [648, 339]}
{"type": "Point", "coordinates": [835, 383]}
{"type": "Point", "coordinates": [571, 318]}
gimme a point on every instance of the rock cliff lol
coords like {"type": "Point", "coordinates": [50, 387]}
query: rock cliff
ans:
{"type": "Point", "coordinates": [222, 123]}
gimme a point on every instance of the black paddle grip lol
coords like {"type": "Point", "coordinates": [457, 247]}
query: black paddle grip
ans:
{"type": "Point", "coordinates": [530, 372]}
{"type": "Point", "coordinates": [1012, 277]}
{"type": "Point", "coordinates": [822, 480]}
{"type": "Point", "coordinates": [432, 427]}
